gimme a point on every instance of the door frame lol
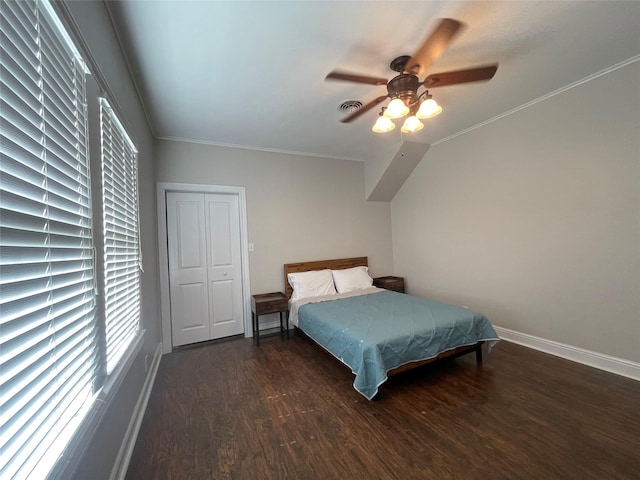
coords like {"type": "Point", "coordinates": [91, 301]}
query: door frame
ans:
{"type": "Point", "coordinates": [163, 254]}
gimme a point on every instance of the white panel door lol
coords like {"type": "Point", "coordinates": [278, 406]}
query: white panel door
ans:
{"type": "Point", "coordinates": [224, 264]}
{"type": "Point", "coordinates": [188, 286]}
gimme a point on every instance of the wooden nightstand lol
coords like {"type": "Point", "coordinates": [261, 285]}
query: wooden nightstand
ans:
{"type": "Point", "coordinates": [265, 303]}
{"type": "Point", "coordinates": [390, 283]}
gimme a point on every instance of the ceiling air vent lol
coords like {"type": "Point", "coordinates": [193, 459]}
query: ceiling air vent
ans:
{"type": "Point", "coordinates": [350, 106]}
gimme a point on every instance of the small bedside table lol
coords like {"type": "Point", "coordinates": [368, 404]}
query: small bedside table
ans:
{"type": "Point", "coordinates": [265, 303]}
{"type": "Point", "coordinates": [390, 283]}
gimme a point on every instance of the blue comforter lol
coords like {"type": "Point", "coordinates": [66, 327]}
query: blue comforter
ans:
{"type": "Point", "coordinates": [378, 332]}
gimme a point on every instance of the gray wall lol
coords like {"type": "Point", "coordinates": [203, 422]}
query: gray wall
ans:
{"type": "Point", "coordinates": [94, 25]}
{"type": "Point", "coordinates": [298, 208]}
{"type": "Point", "coordinates": [534, 219]}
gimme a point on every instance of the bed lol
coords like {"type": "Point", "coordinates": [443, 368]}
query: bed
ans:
{"type": "Point", "coordinates": [374, 332]}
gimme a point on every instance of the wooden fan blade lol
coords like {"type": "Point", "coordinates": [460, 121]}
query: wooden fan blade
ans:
{"type": "Point", "coordinates": [364, 109]}
{"type": "Point", "coordinates": [351, 77]}
{"type": "Point", "coordinates": [433, 47]}
{"type": "Point", "coordinates": [460, 76]}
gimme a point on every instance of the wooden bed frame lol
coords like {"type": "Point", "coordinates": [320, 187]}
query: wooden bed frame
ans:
{"type": "Point", "coordinates": [342, 263]}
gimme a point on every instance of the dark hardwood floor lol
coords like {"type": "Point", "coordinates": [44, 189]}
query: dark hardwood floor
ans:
{"type": "Point", "coordinates": [287, 410]}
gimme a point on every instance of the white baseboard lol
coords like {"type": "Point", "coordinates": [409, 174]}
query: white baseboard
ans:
{"type": "Point", "coordinates": [616, 365]}
{"type": "Point", "coordinates": [121, 464]}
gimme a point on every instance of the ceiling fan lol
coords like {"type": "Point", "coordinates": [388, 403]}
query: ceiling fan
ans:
{"type": "Point", "coordinates": [403, 88]}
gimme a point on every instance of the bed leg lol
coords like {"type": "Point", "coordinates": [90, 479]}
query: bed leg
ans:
{"type": "Point", "coordinates": [479, 353]}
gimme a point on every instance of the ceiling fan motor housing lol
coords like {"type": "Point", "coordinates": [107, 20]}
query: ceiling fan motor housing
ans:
{"type": "Point", "coordinates": [404, 86]}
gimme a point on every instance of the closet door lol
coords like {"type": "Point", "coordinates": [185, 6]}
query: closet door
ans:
{"type": "Point", "coordinates": [187, 248]}
{"type": "Point", "coordinates": [224, 264]}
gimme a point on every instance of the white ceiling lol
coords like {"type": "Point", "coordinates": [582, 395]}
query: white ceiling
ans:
{"type": "Point", "coordinates": [252, 74]}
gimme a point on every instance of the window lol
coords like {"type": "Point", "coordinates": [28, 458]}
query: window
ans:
{"type": "Point", "coordinates": [63, 332]}
{"type": "Point", "coordinates": [47, 307]}
{"type": "Point", "coordinates": [121, 247]}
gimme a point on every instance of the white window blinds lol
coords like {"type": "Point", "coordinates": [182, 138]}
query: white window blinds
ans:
{"type": "Point", "coordinates": [121, 247]}
{"type": "Point", "coordinates": [47, 314]}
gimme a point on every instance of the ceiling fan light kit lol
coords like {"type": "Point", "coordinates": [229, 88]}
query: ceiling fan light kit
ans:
{"type": "Point", "coordinates": [412, 124]}
{"type": "Point", "coordinates": [383, 124]}
{"type": "Point", "coordinates": [403, 88]}
{"type": "Point", "coordinates": [416, 106]}
{"type": "Point", "coordinates": [428, 109]}
{"type": "Point", "coordinates": [396, 109]}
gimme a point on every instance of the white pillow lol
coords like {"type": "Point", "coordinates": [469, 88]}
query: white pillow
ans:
{"type": "Point", "coordinates": [350, 279]}
{"type": "Point", "coordinates": [311, 284]}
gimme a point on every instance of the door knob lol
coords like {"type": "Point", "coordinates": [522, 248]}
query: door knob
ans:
{"type": "Point", "coordinates": [224, 273]}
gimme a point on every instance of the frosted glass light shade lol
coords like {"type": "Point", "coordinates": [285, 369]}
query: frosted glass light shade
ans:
{"type": "Point", "coordinates": [383, 124]}
{"type": "Point", "coordinates": [429, 108]}
{"type": "Point", "coordinates": [412, 124]}
{"type": "Point", "coordinates": [396, 109]}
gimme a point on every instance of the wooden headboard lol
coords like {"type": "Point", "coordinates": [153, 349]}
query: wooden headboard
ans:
{"type": "Point", "coordinates": [337, 264]}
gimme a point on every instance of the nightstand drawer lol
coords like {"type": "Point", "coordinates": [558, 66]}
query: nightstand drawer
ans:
{"type": "Point", "coordinates": [269, 303]}
{"type": "Point", "coordinates": [390, 283]}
